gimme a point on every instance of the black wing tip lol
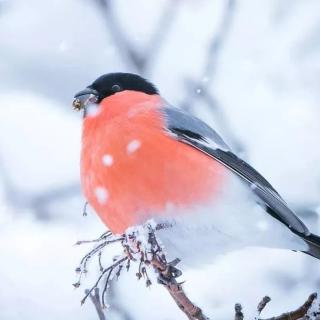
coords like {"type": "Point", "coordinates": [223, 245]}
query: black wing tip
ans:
{"type": "Point", "coordinates": [313, 242]}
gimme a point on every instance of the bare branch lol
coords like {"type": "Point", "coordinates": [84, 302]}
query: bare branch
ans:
{"type": "Point", "coordinates": [299, 313]}
{"type": "Point", "coordinates": [167, 277]}
{"type": "Point", "coordinates": [137, 60]}
{"type": "Point", "coordinates": [95, 298]}
{"type": "Point", "coordinates": [293, 315]}
{"type": "Point", "coordinates": [115, 264]}
{"type": "Point", "coordinates": [149, 253]}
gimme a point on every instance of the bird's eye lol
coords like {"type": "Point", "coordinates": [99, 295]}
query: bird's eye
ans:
{"type": "Point", "coordinates": [116, 88]}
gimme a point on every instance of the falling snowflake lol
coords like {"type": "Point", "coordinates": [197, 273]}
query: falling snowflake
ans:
{"type": "Point", "coordinates": [133, 146]}
{"type": "Point", "coordinates": [107, 160]}
{"type": "Point", "coordinates": [101, 195]}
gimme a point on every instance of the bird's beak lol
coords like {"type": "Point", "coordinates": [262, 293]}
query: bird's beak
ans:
{"type": "Point", "coordinates": [84, 98]}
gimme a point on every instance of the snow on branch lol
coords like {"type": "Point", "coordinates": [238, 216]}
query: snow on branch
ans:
{"type": "Point", "coordinates": [303, 312]}
{"type": "Point", "coordinates": [147, 253]}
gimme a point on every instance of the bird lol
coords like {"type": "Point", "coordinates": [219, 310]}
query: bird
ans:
{"type": "Point", "coordinates": [143, 159]}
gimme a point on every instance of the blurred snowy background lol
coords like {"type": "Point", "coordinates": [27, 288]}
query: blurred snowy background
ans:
{"type": "Point", "coordinates": [250, 68]}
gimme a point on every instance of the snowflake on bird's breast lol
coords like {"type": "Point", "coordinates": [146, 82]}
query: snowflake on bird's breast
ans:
{"type": "Point", "coordinates": [133, 146]}
{"type": "Point", "coordinates": [107, 160]}
{"type": "Point", "coordinates": [101, 194]}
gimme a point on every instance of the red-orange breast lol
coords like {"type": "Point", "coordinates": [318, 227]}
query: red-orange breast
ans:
{"type": "Point", "coordinates": [132, 169]}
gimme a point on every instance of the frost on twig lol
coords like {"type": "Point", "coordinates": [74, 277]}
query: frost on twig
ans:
{"type": "Point", "coordinates": [142, 248]}
{"type": "Point", "coordinates": [305, 312]}
{"type": "Point", "coordinates": [238, 312]}
{"type": "Point", "coordinates": [301, 312]}
{"type": "Point", "coordinates": [105, 239]}
{"type": "Point", "coordinates": [265, 300]}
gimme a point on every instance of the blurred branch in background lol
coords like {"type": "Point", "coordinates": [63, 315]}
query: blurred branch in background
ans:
{"type": "Point", "coordinates": [36, 202]}
{"type": "Point", "coordinates": [95, 299]}
{"type": "Point", "coordinates": [140, 61]}
{"type": "Point", "coordinates": [114, 302]}
{"type": "Point", "coordinates": [214, 50]}
{"type": "Point", "coordinates": [198, 89]}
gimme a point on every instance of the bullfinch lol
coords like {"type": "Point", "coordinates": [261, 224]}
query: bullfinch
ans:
{"type": "Point", "coordinates": [145, 160]}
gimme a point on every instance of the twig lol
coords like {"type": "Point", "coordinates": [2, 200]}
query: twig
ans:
{"type": "Point", "coordinates": [296, 314]}
{"type": "Point", "coordinates": [265, 300]}
{"type": "Point", "coordinates": [167, 277]}
{"type": "Point", "coordinates": [103, 237]}
{"type": "Point", "coordinates": [106, 286]}
{"type": "Point", "coordinates": [82, 268]}
{"type": "Point", "coordinates": [293, 315]}
{"type": "Point", "coordinates": [100, 277]}
{"type": "Point", "coordinates": [95, 298]}
{"type": "Point", "coordinates": [238, 312]}
{"type": "Point", "coordinates": [84, 211]}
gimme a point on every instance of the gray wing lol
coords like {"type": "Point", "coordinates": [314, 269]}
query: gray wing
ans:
{"type": "Point", "coordinates": [196, 133]}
